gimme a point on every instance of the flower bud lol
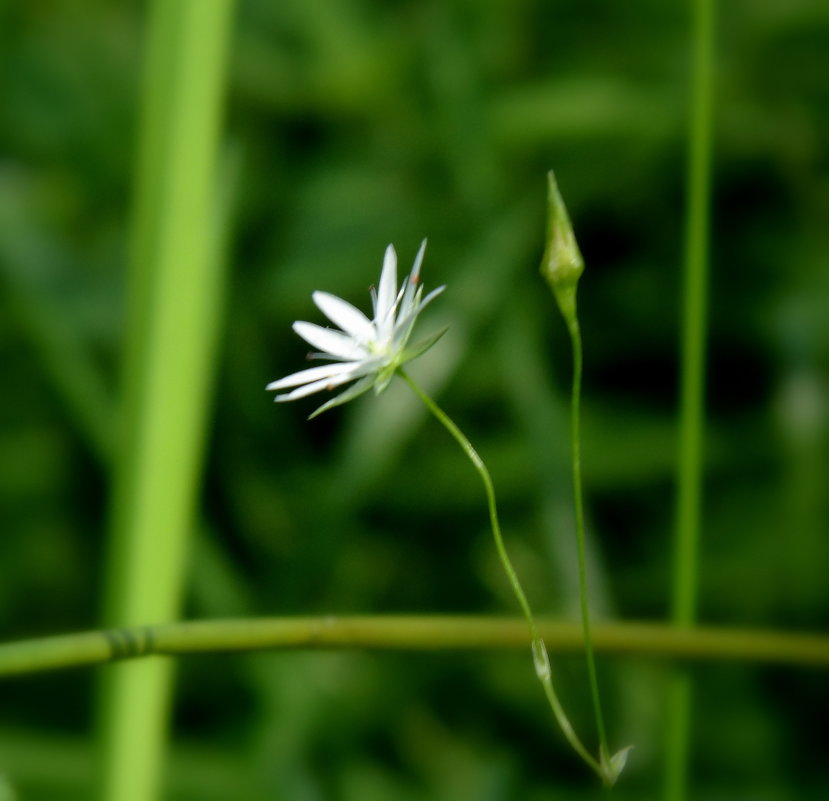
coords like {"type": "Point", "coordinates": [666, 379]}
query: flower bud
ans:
{"type": "Point", "coordinates": [562, 263]}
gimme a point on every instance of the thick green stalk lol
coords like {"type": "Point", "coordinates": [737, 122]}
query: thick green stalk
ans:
{"type": "Point", "coordinates": [689, 500]}
{"type": "Point", "coordinates": [539, 651]}
{"type": "Point", "coordinates": [174, 296]}
{"type": "Point", "coordinates": [410, 633]}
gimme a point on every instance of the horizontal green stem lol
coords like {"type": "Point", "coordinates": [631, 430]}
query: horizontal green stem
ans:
{"type": "Point", "coordinates": [410, 633]}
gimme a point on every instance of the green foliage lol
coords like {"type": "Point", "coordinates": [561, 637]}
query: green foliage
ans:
{"type": "Point", "coordinates": [361, 123]}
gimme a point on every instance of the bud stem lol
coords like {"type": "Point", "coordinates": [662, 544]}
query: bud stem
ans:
{"type": "Point", "coordinates": [561, 266]}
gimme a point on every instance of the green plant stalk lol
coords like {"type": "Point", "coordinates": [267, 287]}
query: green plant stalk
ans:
{"type": "Point", "coordinates": [539, 651]}
{"type": "Point", "coordinates": [689, 477]}
{"type": "Point", "coordinates": [561, 267]}
{"type": "Point", "coordinates": [578, 502]}
{"type": "Point", "coordinates": [174, 297]}
{"type": "Point", "coordinates": [410, 633]}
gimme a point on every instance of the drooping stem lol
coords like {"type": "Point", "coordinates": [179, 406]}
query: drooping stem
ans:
{"type": "Point", "coordinates": [539, 651]}
{"type": "Point", "coordinates": [489, 488]}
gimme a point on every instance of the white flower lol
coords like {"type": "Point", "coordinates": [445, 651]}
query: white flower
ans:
{"type": "Point", "coordinates": [368, 350]}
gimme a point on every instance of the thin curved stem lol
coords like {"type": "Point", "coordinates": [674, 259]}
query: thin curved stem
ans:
{"type": "Point", "coordinates": [489, 488]}
{"type": "Point", "coordinates": [540, 658]}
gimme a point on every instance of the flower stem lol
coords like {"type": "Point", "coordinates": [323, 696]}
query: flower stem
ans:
{"type": "Point", "coordinates": [539, 651]}
{"type": "Point", "coordinates": [578, 502]}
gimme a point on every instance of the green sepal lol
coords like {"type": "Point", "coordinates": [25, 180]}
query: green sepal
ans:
{"type": "Point", "coordinates": [354, 391]}
{"type": "Point", "coordinates": [421, 347]}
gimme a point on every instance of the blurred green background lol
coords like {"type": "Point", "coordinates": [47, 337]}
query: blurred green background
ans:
{"type": "Point", "coordinates": [359, 123]}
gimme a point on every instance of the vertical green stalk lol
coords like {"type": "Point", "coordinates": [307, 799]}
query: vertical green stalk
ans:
{"type": "Point", "coordinates": [689, 477]}
{"type": "Point", "coordinates": [561, 266]}
{"type": "Point", "coordinates": [174, 298]}
{"type": "Point", "coordinates": [578, 500]}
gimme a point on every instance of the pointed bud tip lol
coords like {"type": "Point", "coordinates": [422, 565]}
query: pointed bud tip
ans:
{"type": "Point", "coordinates": [562, 263]}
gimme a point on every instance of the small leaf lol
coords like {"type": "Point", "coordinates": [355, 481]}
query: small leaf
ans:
{"type": "Point", "coordinates": [613, 767]}
{"type": "Point", "coordinates": [541, 660]}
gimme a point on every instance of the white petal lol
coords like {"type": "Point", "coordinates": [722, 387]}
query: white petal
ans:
{"type": "Point", "coordinates": [328, 341]}
{"type": "Point", "coordinates": [324, 371]}
{"type": "Point", "coordinates": [412, 283]}
{"type": "Point", "coordinates": [415, 273]}
{"type": "Point", "coordinates": [387, 289]}
{"type": "Point", "coordinates": [429, 298]}
{"type": "Point", "coordinates": [386, 295]}
{"type": "Point", "coordinates": [405, 323]}
{"type": "Point", "coordinates": [346, 316]}
{"type": "Point", "coordinates": [316, 386]}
